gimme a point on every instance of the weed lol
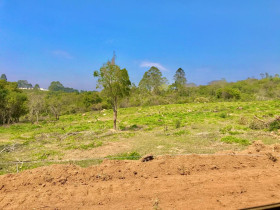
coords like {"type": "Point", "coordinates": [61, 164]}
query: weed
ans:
{"type": "Point", "coordinates": [226, 129]}
{"type": "Point", "coordinates": [233, 139]}
{"type": "Point", "coordinates": [183, 170]}
{"type": "Point", "coordinates": [234, 132]}
{"type": "Point", "coordinates": [177, 123]}
{"type": "Point", "coordinates": [125, 156]}
{"type": "Point", "coordinates": [243, 121]}
{"type": "Point", "coordinates": [223, 115]}
{"type": "Point", "coordinates": [43, 155]}
{"type": "Point", "coordinates": [85, 146]}
{"type": "Point", "coordinates": [156, 204]}
{"type": "Point", "coordinates": [274, 125]}
{"type": "Point", "coordinates": [181, 132]}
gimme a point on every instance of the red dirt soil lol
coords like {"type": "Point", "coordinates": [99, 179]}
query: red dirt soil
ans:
{"type": "Point", "coordinates": [220, 181]}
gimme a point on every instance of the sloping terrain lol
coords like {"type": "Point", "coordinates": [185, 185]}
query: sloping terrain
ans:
{"type": "Point", "coordinates": [219, 181]}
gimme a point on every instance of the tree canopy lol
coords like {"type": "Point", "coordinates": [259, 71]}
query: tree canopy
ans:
{"type": "Point", "coordinates": [180, 79]}
{"type": "Point", "coordinates": [4, 77]}
{"type": "Point", "coordinates": [36, 87]}
{"type": "Point", "coordinates": [12, 102]}
{"type": "Point", "coordinates": [57, 86]}
{"type": "Point", "coordinates": [115, 83]}
{"type": "Point", "coordinates": [152, 80]}
{"type": "Point", "coordinates": [24, 84]}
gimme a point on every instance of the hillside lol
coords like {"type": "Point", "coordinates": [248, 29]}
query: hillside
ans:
{"type": "Point", "coordinates": [167, 129]}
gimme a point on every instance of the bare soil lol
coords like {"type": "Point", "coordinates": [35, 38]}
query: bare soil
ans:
{"type": "Point", "coordinates": [219, 181]}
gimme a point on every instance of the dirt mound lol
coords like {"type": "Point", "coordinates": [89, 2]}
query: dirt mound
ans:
{"type": "Point", "coordinates": [256, 148]}
{"type": "Point", "coordinates": [167, 182]}
{"type": "Point", "coordinates": [261, 148]}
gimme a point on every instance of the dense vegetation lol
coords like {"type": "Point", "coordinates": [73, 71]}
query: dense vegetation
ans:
{"type": "Point", "coordinates": [12, 102]}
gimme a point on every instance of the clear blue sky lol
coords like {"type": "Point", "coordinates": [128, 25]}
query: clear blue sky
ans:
{"type": "Point", "coordinates": [66, 40]}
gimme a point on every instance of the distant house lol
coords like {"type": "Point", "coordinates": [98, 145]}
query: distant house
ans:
{"type": "Point", "coordinates": [42, 89]}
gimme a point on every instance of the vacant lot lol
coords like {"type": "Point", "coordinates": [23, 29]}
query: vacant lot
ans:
{"type": "Point", "coordinates": [169, 129]}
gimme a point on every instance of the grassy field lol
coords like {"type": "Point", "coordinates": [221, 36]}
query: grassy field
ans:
{"type": "Point", "coordinates": [167, 129]}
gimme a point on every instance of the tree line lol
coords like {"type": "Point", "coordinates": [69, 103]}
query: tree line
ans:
{"type": "Point", "coordinates": [116, 90]}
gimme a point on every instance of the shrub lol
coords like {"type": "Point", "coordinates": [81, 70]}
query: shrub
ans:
{"type": "Point", "coordinates": [243, 121]}
{"type": "Point", "coordinates": [201, 100]}
{"type": "Point", "coordinates": [274, 125]}
{"type": "Point", "coordinates": [233, 139]}
{"type": "Point", "coordinates": [257, 125]}
{"type": "Point", "coordinates": [228, 93]}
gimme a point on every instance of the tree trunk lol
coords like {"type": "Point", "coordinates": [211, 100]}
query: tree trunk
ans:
{"type": "Point", "coordinates": [115, 109]}
{"type": "Point", "coordinates": [115, 119]}
{"type": "Point", "coordinates": [37, 117]}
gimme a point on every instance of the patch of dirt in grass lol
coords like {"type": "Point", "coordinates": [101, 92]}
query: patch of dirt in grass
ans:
{"type": "Point", "coordinates": [109, 148]}
{"type": "Point", "coordinates": [168, 182]}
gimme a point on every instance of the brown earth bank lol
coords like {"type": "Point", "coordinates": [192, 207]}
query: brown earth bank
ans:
{"type": "Point", "coordinates": [219, 181]}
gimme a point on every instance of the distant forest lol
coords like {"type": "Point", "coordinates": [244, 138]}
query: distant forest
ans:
{"type": "Point", "coordinates": [23, 100]}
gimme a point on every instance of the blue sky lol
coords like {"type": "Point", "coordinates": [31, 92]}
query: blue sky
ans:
{"type": "Point", "coordinates": [66, 40]}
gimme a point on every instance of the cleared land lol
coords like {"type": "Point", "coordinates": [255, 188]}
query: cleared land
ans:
{"type": "Point", "coordinates": [227, 168]}
{"type": "Point", "coordinates": [242, 180]}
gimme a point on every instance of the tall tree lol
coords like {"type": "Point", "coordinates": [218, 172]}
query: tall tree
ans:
{"type": "Point", "coordinates": [24, 84]}
{"type": "Point", "coordinates": [4, 77]}
{"type": "Point", "coordinates": [37, 87]}
{"type": "Point", "coordinates": [115, 83]}
{"type": "Point", "coordinates": [180, 79]}
{"type": "Point", "coordinates": [56, 86]}
{"type": "Point", "coordinates": [152, 80]}
{"type": "Point", "coordinates": [12, 102]}
{"type": "Point", "coordinates": [36, 105]}
{"type": "Point", "coordinates": [54, 104]}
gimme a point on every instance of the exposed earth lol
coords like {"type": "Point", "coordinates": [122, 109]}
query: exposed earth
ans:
{"type": "Point", "coordinates": [220, 181]}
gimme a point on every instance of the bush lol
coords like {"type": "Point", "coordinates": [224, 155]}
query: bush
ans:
{"type": "Point", "coordinates": [257, 125]}
{"type": "Point", "coordinates": [274, 125]}
{"type": "Point", "coordinates": [201, 100]}
{"type": "Point", "coordinates": [233, 139]}
{"type": "Point", "coordinates": [243, 121]}
{"type": "Point", "coordinates": [228, 93]}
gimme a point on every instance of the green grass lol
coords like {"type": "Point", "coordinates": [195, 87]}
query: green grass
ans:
{"type": "Point", "coordinates": [125, 156]}
{"type": "Point", "coordinates": [233, 139]}
{"type": "Point", "coordinates": [166, 129]}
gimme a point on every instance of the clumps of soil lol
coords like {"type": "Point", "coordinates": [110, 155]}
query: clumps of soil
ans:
{"type": "Point", "coordinates": [271, 157]}
{"type": "Point", "coordinates": [221, 181]}
{"type": "Point", "coordinates": [183, 170]}
{"type": "Point", "coordinates": [272, 152]}
{"type": "Point", "coordinates": [258, 147]}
